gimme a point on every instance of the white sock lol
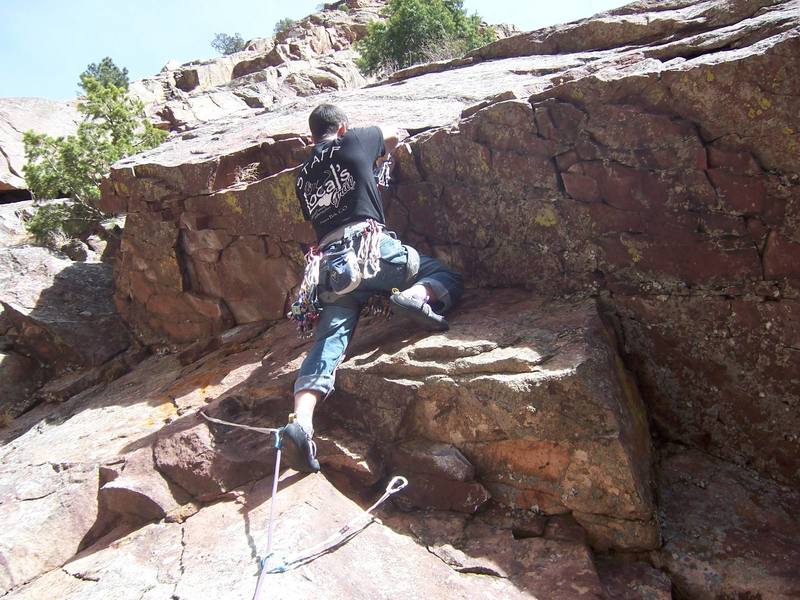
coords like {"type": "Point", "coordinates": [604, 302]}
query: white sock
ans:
{"type": "Point", "coordinates": [306, 423]}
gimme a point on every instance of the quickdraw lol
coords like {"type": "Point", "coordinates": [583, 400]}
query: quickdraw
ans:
{"type": "Point", "coordinates": [306, 309]}
{"type": "Point", "coordinates": [332, 542]}
{"type": "Point", "coordinates": [383, 173]}
{"type": "Point", "coordinates": [342, 536]}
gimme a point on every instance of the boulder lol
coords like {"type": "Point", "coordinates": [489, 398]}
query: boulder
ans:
{"type": "Point", "coordinates": [443, 479]}
{"type": "Point", "coordinates": [609, 158]}
{"type": "Point", "coordinates": [533, 393]}
{"type": "Point", "coordinates": [207, 464]}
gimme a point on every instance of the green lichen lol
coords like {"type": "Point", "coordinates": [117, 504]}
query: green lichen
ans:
{"type": "Point", "coordinates": [634, 249]}
{"type": "Point", "coordinates": [233, 203]}
{"type": "Point", "coordinates": [546, 217]}
{"type": "Point", "coordinates": [283, 194]}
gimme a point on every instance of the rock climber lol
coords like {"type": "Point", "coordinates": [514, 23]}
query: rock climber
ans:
{"type": "Point", "coordinates": [338, 193]}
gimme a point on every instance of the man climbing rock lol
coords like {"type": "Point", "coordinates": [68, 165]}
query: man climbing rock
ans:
{"type": "Point", "coordinates": [338, 193]}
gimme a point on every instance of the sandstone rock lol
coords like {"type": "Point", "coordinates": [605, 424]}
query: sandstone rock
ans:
{"type": "Point", "coordinates": [522, 523]}
{"type": "Point", "coordinates": [135, 491]}
{"type": "Point", "coordinates": [566, 529]}
{"type": "Point", "coordinates": [644, 175]}
{"type": "Point", "coordinates": [544, 568]}
{"type": "Point", "coordinates": [60, 312]}
{"type": "Point", "coordinates": [146, 563]}
{"type": "Point", "coordinates": [193, 561]}
{"type": "Point", "coordinates": [639, 172]}
{"type": "Point", "coordinates": [18, 115]}
{"type": "Point", "coordinates": [633, 581]}
{"type": "Point", "coordinates": [727, 532]}
{"type": "Point", "coordinates": [46, 511]}
{"type": "Point", "coordinates": [206, 466]}
{"type": "Point", "coordinates": [310, 57]}
{"type": "Point", "coordinates": [20, 376]}
{"type": "Point", "coordinates": [341, 452]}
{"type": "Point", "coordinates": [500, 390]}
{"type": "Point", "coordinates": [443, 479]}
{"type": "Point", "coordinates": [12, 222]}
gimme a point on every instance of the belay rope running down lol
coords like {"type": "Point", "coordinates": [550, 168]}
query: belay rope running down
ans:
{"type": "Point", "coordinates": [335, 540]}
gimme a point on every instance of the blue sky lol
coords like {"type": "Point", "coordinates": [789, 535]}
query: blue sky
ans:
{"type": "Point", "coordinates": [46, 44]}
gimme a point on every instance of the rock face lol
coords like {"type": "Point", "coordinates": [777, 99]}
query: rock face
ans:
{"type": "Point", "coordinates": [58, 316]}
{"type": "Point", "coordinates": [311, 56]}
{"type": "Point", "coordinates": [139, 526]}
{"type": "Point", "coordinates": [652, 175]}
{"type": "Point", "coordinates": [622, 195]}
{"type": "Point", "coordinates": [538, 402]}
{"type": "Point", "coordinates": [727, 532]}
{"type": "Point", "coordinates": [18, 115]}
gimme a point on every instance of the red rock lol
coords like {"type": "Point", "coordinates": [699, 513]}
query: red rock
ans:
{"type": "Point", "coordinates": [439, 460]}
{"type": "Point", "coordinates": [781, 257]}
{"type": "Point", "coordinates": [727, 532]}
{"type": "Point", "coordinates": [356, 460]}
{"type": "Point", "coordinates": [524, 452]}
{"type": "Point", "coordinates": [207, 464]}
{"type": "Point", "coordinates": [633, 580]}
{"type": "Point", "coordinates": [738, 194]}
{"type": "Point", "coordinates": [581, 187]}
{"type": "Point", "coordinates": [737, 162]}
{"type": "Point", "coordinates": [33, 498]}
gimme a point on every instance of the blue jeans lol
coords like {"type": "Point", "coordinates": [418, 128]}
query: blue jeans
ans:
{"type": "Point", "coordinates": [338, 320]}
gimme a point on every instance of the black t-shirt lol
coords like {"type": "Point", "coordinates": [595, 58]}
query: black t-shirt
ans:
{"type": "Point", "coordinates": [336, 185]}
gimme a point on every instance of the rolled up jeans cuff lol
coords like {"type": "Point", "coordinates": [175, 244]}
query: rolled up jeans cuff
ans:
{"type": "Point", "coordinates": [440, 292]}
{"type": "Point", "coordinates": [314, 383]}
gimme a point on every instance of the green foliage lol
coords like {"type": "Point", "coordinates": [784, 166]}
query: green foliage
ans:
{"type": "Point", "coordinates": [418, 31]}
{"type": "Point", "coordinates": [113, 127]}
{"type": "Point", "coordinates": [283, 25]}
{"type": "Point", "coordinates": [51, 224]}
{"type": "Point", "coordinates": [106, 73]}
{"type": "Point", "coordinates": [228, 44]}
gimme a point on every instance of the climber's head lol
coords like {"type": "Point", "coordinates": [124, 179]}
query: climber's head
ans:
{"type": "Point", "coordinates": [327, 120]}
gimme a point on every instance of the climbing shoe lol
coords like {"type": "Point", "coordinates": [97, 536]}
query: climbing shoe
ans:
{"type": "Point", "coordinates": [418, 311]}
{"type": "Point", "coordinates": [301, 451]}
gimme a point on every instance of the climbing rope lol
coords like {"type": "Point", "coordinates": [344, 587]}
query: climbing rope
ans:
{"type": "Point", "coordinates": [271, 527]}
{"type": "Point", "coordinates": [331, 543]}
{"type": "Point", "coordinates": [266, 430]}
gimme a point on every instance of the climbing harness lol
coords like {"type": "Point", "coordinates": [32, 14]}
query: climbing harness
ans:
{"type": "Point", "coordinates": [335, 269]}
{"type": "Point", "coordinates": [331, 543]}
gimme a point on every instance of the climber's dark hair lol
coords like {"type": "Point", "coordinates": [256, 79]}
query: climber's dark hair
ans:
{"type": "Point", "coordinates": [325, 120]}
